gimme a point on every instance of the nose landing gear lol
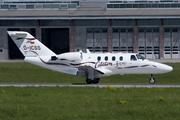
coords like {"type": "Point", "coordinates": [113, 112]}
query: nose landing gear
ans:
{"type": "Point", "coordinates": [152, 80]}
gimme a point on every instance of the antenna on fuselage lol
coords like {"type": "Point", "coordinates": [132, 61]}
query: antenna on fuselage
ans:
{"type": "Point", "coordinates": [87, 51]}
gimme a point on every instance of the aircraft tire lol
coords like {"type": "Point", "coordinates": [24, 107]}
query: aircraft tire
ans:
{"type": "Point", "coordinates": [152, 80]}
{"type": "Point", "coordinates": [96, 80]}
{"type": "Point", "coordinates": [88, 81]}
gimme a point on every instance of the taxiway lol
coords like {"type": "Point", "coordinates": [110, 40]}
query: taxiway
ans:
{"type": "Point", "coordinates": [89, 85]}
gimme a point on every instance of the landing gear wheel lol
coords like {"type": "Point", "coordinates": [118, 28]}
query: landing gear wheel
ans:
{"type": "Point", "coordinates": [152, 80]}
{"type": "Point", "coordinates": [96, 81]}
{"type": "Point", "coordinates": [88, 81]}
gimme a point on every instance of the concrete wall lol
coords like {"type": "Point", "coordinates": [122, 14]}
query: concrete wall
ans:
{"type": "Point", "coordinates": [3, 44]}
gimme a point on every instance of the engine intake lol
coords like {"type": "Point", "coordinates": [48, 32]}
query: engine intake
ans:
{"type": "Point", "coordinates": [53, 58]}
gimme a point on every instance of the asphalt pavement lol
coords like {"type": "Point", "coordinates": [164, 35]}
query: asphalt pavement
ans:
{"type": "Point", "coordinates": [89, 85]}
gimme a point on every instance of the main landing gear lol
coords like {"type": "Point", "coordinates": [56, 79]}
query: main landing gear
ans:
{"type": "Point", "coordinates": [95, 81]}
{"type": "Point", "coordinates": [152, 80]}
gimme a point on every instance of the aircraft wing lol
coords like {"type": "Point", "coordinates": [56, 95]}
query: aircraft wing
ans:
{"type": "Point", "coordinates": [83, 71]}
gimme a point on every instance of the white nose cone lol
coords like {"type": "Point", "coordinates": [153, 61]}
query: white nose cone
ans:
{"type": "Point", "coordinates": [164, 68]}
{"type": "Point", "coordinates": [159, 68]}
{"type": "Point", "coordinates": [168, 68]}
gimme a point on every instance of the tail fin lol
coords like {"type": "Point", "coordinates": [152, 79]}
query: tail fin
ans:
{"type": "Point", "coordinates": [30, 46]}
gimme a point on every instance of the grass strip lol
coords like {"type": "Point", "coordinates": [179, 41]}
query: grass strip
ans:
{"type": "Point", "coordinates": [28, 73]}
{"type": "Point", "coordinates": [81, 103]}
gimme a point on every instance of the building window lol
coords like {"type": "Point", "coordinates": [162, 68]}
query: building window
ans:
{"type": "Point", "coordinates": [97, 39]}
{"type": "Point", "coordinates": [72, 6]}
{"type": "Point", "coordinates": [116, 5]}
{"type": "Point", "coordinates": [4, 6]}
{"type": "Point", "coordinates": [166, 29]}
{"type": "Point", "coordinates": [63, 5]}
{"type": "Point", "coordinates": [29, 6]}
{"type": "Point", "coordinates": [110, 5]}
{"type": "Point", "coordinates": [47, 6]}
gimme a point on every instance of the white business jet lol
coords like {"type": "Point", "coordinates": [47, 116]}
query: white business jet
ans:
{"type": "Point", "coordinates": [93, 66]}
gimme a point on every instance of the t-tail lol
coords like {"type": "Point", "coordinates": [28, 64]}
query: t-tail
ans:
{"type": "Point", "coordinates": [30, 46]}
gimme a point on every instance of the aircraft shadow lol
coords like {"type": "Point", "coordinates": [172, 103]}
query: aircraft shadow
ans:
{"type": "Point", "coordinates": [80, 84]}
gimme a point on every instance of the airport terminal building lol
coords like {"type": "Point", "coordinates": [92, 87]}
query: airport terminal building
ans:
{"type": "Point", "coordinates": [149, 27]}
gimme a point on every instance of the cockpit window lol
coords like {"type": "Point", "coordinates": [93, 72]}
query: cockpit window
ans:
{"type": "Point", "coordinates": [133, 58]}
{"type": "Point", "coordinates": [140, 56]}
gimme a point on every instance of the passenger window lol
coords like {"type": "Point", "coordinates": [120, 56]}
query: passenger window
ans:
{"type": "Point", "coordinates": [120, 58]}
{"type": "Point", "coordinates": [133, 58]}
{"type": "Point", "coordinates": [106, 58]}
{"type": "Point", "coordinates": [98, 58]}
{"type": "Point", "coordinates": [113, 58]}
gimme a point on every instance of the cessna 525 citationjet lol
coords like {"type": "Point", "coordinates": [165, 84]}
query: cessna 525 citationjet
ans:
{"type": "Point", "coordinates": [93, 66]}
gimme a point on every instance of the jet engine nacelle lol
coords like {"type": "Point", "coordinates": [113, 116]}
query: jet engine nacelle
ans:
{"type": "Point", "coordinates": [75, 57]}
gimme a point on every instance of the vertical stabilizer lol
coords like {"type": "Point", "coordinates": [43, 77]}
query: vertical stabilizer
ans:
{"type": "Point", "coordinates": [30, 46]}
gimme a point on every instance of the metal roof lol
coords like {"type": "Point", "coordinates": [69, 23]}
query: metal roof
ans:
{"type": "Point", "coordinates": [90, 10]}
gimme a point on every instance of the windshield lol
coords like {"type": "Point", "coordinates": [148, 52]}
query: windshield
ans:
{"type": "Point", "coordinates": [140, 56]}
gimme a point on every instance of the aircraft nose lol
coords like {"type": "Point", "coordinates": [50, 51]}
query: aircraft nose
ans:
{"type": "Point", "coordinates": [166, 68]}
